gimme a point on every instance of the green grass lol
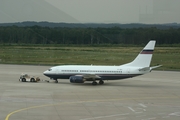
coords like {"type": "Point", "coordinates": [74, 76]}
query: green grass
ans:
{"type": "Point", "coordinates": [169, 57]}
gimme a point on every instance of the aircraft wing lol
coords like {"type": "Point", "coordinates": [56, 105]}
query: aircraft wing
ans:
{"type": "Point", "coordinates": [89, 76]}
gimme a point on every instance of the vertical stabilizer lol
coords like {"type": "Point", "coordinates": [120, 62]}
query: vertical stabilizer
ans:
{"type": "Point", "coordinates": [144, 57]}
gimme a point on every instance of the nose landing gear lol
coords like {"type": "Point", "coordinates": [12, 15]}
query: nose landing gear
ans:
{"type": "Point", "coordinates": [56, 81]}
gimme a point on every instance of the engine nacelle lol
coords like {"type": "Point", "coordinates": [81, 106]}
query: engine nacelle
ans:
{"type": "Point", "coordinates": [76, 79]}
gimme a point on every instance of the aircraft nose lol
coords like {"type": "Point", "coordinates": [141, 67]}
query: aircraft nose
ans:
{"type": "Point", "coordinates": [45, 72]}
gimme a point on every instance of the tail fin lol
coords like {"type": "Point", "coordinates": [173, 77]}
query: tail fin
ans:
{"type": "Point", "coordinates": [144, 57]}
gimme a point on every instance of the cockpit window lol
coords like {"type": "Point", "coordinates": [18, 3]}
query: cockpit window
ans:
{"type": "Point", "coordinates": [49, 69]}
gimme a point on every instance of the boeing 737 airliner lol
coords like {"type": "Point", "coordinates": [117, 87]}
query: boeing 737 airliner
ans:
{"type": "Point", "coordinates": [81, 73]}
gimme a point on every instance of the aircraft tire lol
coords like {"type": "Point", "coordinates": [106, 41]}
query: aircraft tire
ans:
{"type": "Point", "coordinates": [94, 83]}
{"type": "Point", "coordinates": [101, 82]}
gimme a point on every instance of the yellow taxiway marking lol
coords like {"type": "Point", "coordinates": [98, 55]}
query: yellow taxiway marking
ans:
{"type": "Point", "coordinates": [40, 106]}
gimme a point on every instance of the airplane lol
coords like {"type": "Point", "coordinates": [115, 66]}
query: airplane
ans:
{"type": "Point", "coordinates": [82, 73]}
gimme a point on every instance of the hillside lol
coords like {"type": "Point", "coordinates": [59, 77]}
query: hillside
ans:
{"type": "Point", "coordinates": [31, 10]}
{"type": "Point", "coordinates": [91, 25]}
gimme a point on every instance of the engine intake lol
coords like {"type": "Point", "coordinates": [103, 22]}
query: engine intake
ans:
{"type": "Point", "coordinates": [76, 79]}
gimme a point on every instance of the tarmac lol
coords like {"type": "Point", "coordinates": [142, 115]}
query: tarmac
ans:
{"type": "Point", "coordinates": [154, 96]}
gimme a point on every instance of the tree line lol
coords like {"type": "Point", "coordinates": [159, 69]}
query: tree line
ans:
{"type": "Point", "coordinates": [113, 35]}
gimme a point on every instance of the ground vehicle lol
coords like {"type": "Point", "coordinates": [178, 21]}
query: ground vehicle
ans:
{"type": "Point", "coordinates": [26, 77]}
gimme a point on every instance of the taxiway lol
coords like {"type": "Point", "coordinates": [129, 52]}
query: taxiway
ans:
{"type": "Point", "coordinates": [154, 96]}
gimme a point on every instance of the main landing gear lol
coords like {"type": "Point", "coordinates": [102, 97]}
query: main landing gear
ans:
{"type": "Point", "coordinates": [94, 83]}
{"type": "Point", "coordinates": [100, 82]}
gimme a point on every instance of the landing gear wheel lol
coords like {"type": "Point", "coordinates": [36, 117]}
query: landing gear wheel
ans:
{"type": "Point", "coordinates": [56, 81]}
{"type": "Point", "coordinates": [101, 82]}
{"type": "Point", "coordinates": [94, 83]}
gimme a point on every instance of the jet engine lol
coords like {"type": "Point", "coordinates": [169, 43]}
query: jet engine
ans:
{"type": "Point", "coordinates": [76, 79]}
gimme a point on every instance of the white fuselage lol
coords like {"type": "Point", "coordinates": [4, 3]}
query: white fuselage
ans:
{"type": "Point", "coordinates": [105, 72]}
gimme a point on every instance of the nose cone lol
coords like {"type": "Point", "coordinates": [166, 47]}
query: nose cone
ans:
{"type": "Point", "coordinates": [46, 73]}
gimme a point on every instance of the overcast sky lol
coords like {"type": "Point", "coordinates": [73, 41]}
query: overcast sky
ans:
{"type": "Point", "coordinates": [91, 11]}
{"type": "Point", "coordinates": [118, 11]}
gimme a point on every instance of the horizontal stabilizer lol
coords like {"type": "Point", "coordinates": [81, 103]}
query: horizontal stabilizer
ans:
{"type": "Point", "coordinates": [144, 69]}
{"type": "Point", "coordinates": [155, 67]}
{"type": "Point", "coordinates": [149, 68]}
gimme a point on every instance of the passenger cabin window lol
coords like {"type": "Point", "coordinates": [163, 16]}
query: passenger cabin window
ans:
{"type": "Point", "coordinates": [69, 70]}
{"type": "Point", "coordinates": [100, 71]}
